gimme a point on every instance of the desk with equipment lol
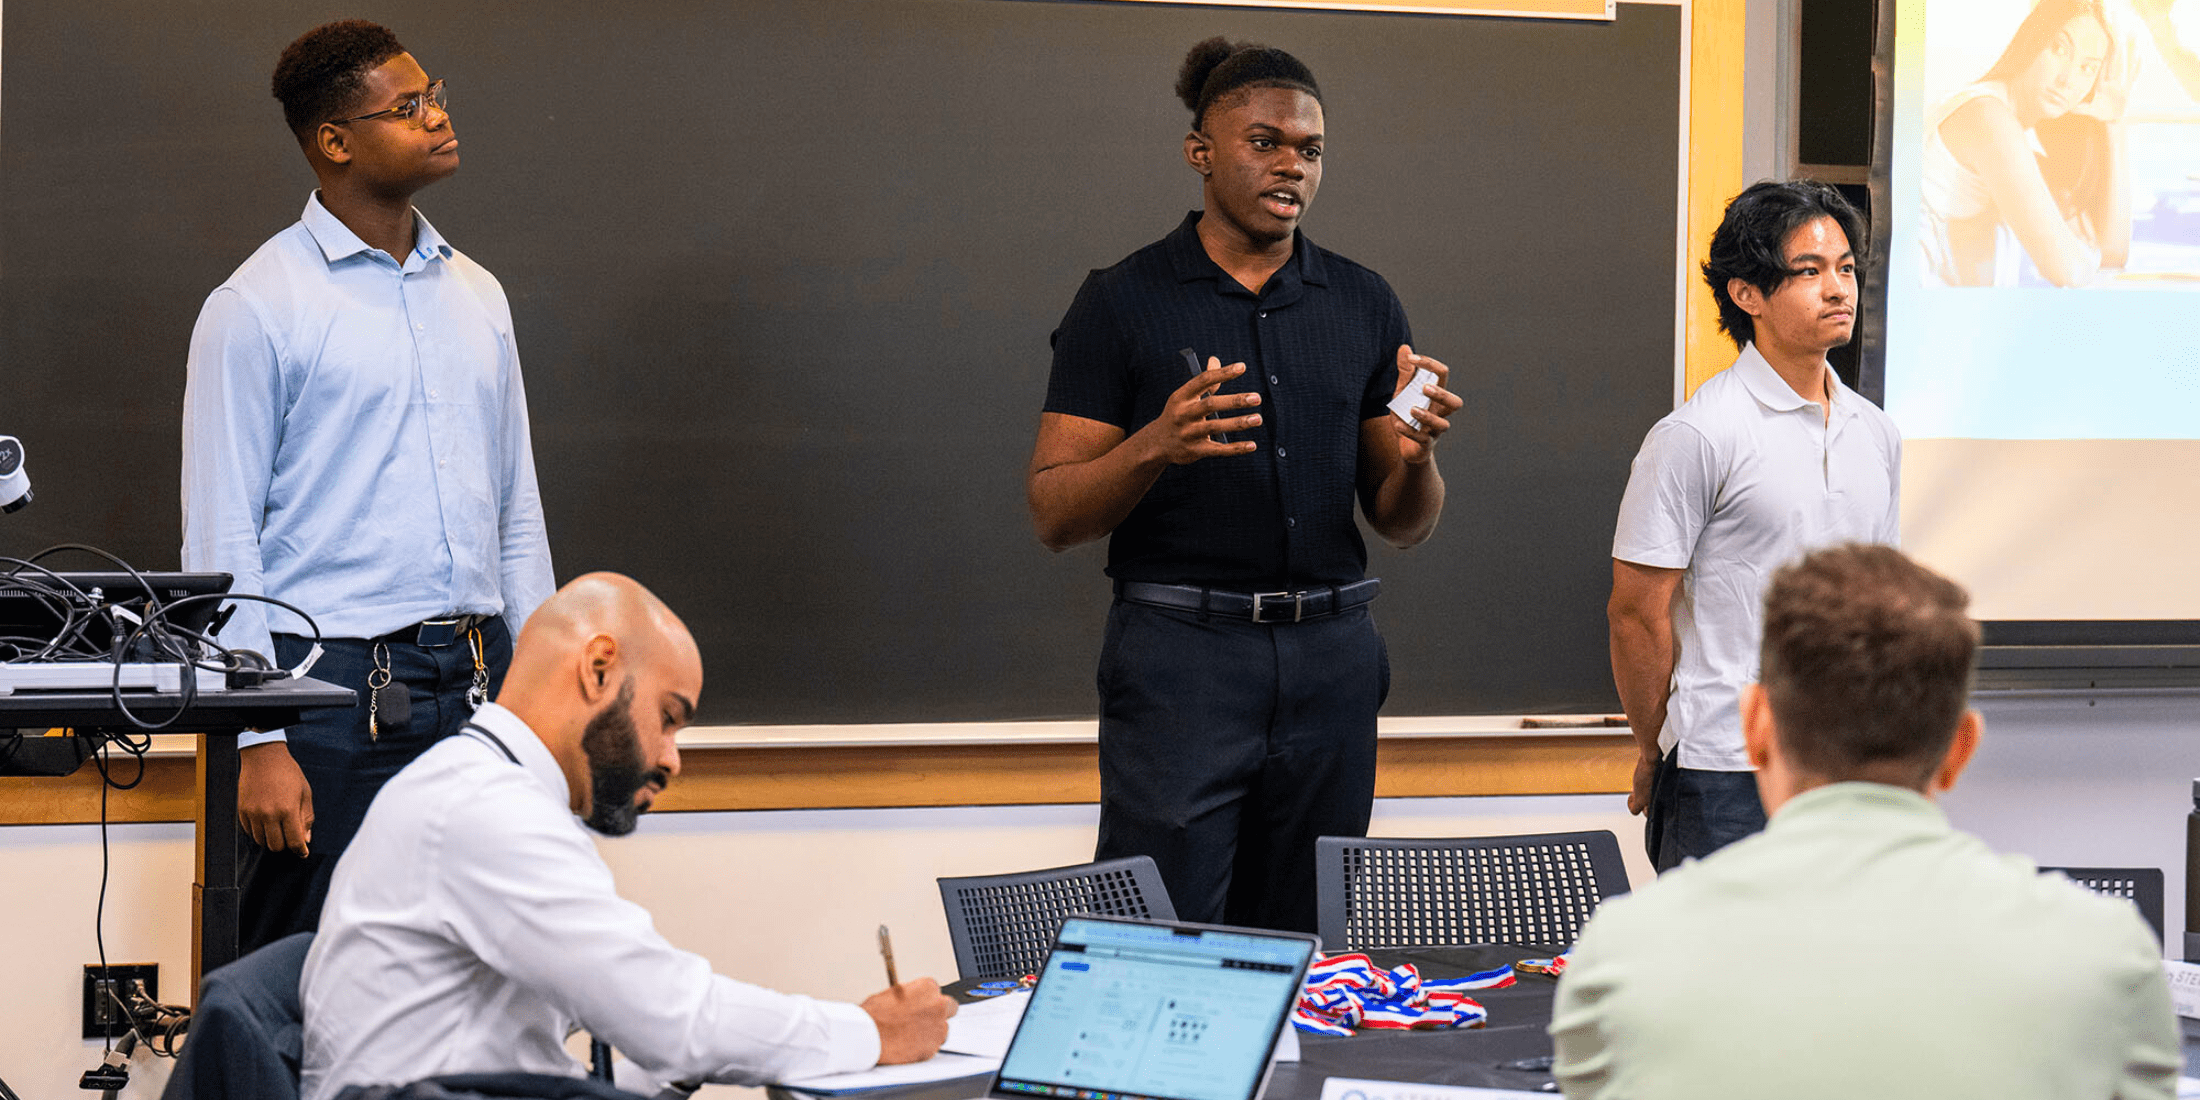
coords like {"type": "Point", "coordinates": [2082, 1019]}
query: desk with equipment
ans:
{"type": "Point", "coordinates": [112, 656]}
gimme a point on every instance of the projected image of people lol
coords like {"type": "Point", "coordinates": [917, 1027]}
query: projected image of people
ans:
{"type": "Point", "coordinates": [2067, 163]}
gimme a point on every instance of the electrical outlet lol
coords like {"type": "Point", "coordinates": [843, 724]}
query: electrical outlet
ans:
{"type": "Point", "coordinates": [103, 1014]}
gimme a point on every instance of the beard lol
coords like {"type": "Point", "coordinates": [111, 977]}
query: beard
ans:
{"type": "Point", "coordinates": [615, 768]}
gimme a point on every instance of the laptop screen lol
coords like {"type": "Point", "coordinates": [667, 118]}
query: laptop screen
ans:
{"type": "Point", "coordinates": [1139, 1011]}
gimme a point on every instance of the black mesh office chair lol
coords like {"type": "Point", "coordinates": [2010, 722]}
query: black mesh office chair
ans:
{"type": "Point", "coordinates": [246, 1032]}
{"type": "Point", "coordinates": [1535, 890]}
{"type": "Point", "coordinates": [1002, 925]}
{"type": "Point", "coordinates": [2141, 886]}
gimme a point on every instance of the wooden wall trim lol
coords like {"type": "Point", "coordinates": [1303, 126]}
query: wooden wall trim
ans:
{"type": "Point", "coordinates": [1715, 45]}
{"type": "Point", "coordinates": [806, 778]}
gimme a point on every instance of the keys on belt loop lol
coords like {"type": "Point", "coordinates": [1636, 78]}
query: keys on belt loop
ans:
{"type": "Point", "coordinates": [389, 703]}
{"type": "Point", "coordinates": [477, 692]}
{"type": "Point", "coordinates": [1260, 606]}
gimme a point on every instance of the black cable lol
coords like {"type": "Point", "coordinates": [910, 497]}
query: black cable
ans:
{"type": "Point", "coordinates": [99, 914]}
{"type": "Point", "coordinates": [75, 614]}
{"type": "Point", "coordinates": [129, 1043]}
{"type": "Point", "coordinates": [190, 684]}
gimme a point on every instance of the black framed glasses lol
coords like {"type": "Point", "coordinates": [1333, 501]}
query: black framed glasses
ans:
{"type": "Point", "coordinates": [413, 112]}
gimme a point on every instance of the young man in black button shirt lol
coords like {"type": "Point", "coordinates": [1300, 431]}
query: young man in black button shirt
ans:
{"type": "Point", "coordinates": [1241, 671]}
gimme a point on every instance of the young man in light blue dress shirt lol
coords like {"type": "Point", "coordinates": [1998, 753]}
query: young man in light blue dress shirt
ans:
{"type": "Point", "coordinates": [356, 443]}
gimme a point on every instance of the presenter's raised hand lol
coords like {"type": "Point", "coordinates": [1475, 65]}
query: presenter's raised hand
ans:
{"type": "Point", "coordinates": [274, 801]}
{"type": "Point", "coordinates": [1418, 445]}
{"type": "Point", "coordinates": [911, 1019]}
{"type": "Point", "coordinates": [1182, 434]}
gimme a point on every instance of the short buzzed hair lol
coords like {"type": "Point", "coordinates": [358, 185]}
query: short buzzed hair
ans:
{"type": "Point", "coordinates": [321, 75]}
{"type": "Point", "coordinates": [1867, 661]}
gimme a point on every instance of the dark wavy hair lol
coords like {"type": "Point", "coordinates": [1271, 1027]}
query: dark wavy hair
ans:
{"type": "Point", "coordinates": [1747, 245]}
{"type": "Point", "coordinates": [1217, 68]}
{"type": "Point", "coordinates": [1867, 661]}
{"type": "Point", "coordinates": [320, 76]}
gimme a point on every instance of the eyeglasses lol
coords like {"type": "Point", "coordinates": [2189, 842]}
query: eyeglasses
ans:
{"type": "Point", "coordinates": [413, 112]}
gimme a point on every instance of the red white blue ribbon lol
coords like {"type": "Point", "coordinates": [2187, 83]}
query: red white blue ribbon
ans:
{"type": "Point", "coordinates": [1347, 992]}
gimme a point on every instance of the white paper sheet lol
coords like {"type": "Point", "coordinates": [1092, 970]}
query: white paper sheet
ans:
{"type": "Point", "coordinates": [1354, 1088]}
{"type": "Point", "coordinates": [939, 1067]}
{"type": "Point", "coordinates": [985, 1027]}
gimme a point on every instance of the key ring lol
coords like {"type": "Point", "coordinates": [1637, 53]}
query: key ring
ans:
{"type": "Point", "coordinates": [381, 669]}
{"type": "Point", "coordinates": [477, 693]}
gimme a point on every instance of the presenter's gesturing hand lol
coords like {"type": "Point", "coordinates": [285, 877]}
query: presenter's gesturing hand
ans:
{"type": "Point", "coordinates": [911, 1019]}
{"type": "Point", "coordinates": [1401, 494]}
{"type": "Point", "coordinates": [1182, 434]}
{"type": "Point", "coordinates": [274, 801]}
{"type": "Point", "coordinates": [1087, 475]}
{"type": "Point", "coordinates": [1418, 445]}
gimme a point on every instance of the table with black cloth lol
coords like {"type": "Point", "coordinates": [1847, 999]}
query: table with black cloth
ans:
{"type": "Point", "coordinates": [1456, 1056]}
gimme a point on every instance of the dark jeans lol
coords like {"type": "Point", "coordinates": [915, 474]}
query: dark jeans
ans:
{"type": "Point", "coordinates": [1227, 746]}
{"type": "Point", "coordinates": [1694, 813]}
{"type": "Point", "coordinates": [283, 891]}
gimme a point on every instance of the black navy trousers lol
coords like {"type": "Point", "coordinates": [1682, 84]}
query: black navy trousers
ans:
{"type": "Point", "coordinates": [283, 891]}
{"type": "Point", "coordinates": [1227, 746]}
{"type": "Point", "coordinates": [1694, 813]}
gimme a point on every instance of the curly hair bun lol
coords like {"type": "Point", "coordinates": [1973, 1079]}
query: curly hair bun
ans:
{"type": "Point", "coordinates": [1218, 67]}
{"type": "Point", "coordinates": [1199, 64]}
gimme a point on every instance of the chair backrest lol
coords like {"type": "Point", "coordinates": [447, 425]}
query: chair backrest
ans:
{"type": "Point", "coordinates": [1535, 890]}
{"type": "Point", "coordinates": [1002, 925]}
{"type": "Point", "coordinates": [247, 1029]}
{"type": "Point", "coordinates": [2142, 886]}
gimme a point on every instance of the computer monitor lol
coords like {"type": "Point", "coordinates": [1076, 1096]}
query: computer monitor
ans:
{"type": "Point", "coordinates": [35, 604]}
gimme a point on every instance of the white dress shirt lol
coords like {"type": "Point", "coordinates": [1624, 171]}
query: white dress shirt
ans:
{"type": "Point", "coordinates": [471, 926]}
{"type": "Point", "coordinates": [1862, 947]}
{"type": "Point", "coordinates": [1744, 478]}
{"type": "Point", "coordinates": [355, 439]}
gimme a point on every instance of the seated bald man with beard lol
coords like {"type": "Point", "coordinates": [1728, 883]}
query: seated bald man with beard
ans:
{"type": "Point", "coordinates": [472, 926]}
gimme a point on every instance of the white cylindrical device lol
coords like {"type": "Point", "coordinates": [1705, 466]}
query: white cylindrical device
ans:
{"type": "Point", "coordinates": [15, 482]}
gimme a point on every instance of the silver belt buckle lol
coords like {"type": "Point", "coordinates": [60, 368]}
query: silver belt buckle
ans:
{"type": "Point", "coordinates": [1298, 605]}
{"type": "Point", "coordinates": [438, 633]}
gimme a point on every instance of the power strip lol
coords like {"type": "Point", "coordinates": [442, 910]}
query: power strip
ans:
{"type": "Point", "coordinates": [166, 677]}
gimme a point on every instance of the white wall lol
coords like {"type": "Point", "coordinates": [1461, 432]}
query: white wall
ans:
{"type": "Point", "coordinates": [2088, 781]}
{"type": "Point", "coordinates": [790, 899]}
{"type": "Point", "coordinates": [785, 899]}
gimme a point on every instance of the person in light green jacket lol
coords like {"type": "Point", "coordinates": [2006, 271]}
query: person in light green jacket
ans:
{"type": "Point", "coordinates": [1860, 945]}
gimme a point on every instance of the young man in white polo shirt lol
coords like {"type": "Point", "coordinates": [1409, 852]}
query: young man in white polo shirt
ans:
{"type": "Point", "coordinates": [1772, 457]}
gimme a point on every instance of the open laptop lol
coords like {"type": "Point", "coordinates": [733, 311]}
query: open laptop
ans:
{"type": "Point", "coordinates": [1148, 1010]}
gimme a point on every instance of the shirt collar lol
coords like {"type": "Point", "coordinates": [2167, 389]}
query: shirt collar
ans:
{"type": "Point", "coordinates": [338, 242]}
{"type": "Point", "coordinates": [533, 754]}
{"type": "Point", "coordinates": [1765, 383]}
{"type": "Point", "coordinates": [1190, 261]}
{"type": "Point", "coordinates": [1843, 804]}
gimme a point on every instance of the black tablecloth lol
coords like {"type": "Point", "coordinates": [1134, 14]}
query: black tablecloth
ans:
{"type": "Point", "coordinates": [1518, 1015]}
{"type": "Point", "coordinates": [1451, 1057]}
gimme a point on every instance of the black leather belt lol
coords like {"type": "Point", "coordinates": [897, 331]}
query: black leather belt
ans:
{"type": "Point", "coordinates": [1260, 607]}
{"type": "Point", "coordinates": [435, 633]}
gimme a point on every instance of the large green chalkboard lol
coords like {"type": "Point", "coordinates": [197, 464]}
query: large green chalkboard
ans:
{"type": "Point", "coordinates": [783, 275]}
